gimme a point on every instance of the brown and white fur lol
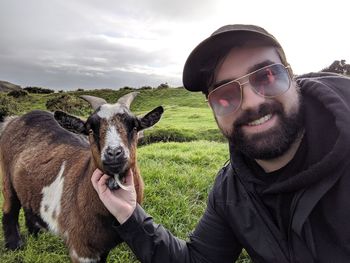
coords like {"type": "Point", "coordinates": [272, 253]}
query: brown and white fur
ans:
{"type": "Point", "coordinates": [46, 169]}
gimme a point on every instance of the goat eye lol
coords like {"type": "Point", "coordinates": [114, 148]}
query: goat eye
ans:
{"type": "Point", "coordinates": [91, 131]}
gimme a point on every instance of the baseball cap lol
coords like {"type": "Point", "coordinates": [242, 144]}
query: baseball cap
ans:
{"type": "Point", "coordinates": [195, 74]}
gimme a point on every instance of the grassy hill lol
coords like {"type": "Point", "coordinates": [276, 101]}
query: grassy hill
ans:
{"type": "Point", "coordinates": [187, 116]}
{"type": "Point", "coordinates": [178, 159]}
{"type": "Point", "coordinates": [7, 86]}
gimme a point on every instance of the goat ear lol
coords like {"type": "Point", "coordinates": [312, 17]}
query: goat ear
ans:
{"type": "Point", "coordinates": [151, 118]}
{"type": "Point", "coordinates": [70, 122]}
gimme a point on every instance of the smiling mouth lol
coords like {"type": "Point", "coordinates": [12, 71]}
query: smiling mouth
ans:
{"type": "Point", "coordinates": [260, 120]}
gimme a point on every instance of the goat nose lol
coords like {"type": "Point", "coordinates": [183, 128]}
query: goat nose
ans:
{"type": "Point", "coordinates": [115, 152]}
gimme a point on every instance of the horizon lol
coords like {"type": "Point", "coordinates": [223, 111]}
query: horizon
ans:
{"type": "Point", "coordinates": [141, 87]}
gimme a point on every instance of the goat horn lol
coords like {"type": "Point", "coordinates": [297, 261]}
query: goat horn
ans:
{"type": "Point", "coordinates": [95, 102]}
{"type": "Point", "coordinates": [128, 98]}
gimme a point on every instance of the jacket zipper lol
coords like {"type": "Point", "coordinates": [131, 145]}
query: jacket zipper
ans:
{"type": "Point", "coordinates": [289, 233]}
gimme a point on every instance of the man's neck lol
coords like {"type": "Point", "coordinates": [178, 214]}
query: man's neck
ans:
{"type": "Point", "coordinates": [279, 162]}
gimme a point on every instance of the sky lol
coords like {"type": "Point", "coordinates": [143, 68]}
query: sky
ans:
{"type": "Point", "coordinates": [94, 44]}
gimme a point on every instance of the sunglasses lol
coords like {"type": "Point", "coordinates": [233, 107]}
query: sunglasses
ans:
{"type": "Point", "coordinates": [268, 82]}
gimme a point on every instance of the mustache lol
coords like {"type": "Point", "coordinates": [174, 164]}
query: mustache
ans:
{"type": "Point", "coordinates": [249, 115]}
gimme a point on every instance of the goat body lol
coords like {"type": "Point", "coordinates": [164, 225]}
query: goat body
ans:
{"type": "Point", "coordinates": [47, 169]}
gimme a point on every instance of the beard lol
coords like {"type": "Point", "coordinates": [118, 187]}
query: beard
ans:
{"type": "Point", "coordinates": [273, 142]}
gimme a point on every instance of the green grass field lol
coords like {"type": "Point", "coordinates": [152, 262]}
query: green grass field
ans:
{"type": "Point", "coordinates": [178, 168]}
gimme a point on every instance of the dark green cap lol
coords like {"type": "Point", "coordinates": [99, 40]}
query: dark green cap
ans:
{"type": "Point", "coordinates": [195, 78]}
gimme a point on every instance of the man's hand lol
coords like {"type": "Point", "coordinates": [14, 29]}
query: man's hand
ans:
{"type": "Point", "coordinates": [121, 203]}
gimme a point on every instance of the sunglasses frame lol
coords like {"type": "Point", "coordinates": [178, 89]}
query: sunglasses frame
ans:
{"type": "Point", "coordinates": [241, 85]}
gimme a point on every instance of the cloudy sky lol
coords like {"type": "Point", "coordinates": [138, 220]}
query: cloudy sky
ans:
{"type": "Point", "coordinates": [70, 44]}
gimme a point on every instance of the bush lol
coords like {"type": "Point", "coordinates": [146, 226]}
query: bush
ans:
{"type": "Point", "coordinates": [163, 86]}
{"type": "Point", "coordinates": [69, 104]}
{"type": "Point", "coordinates": [18, 93]}
{"type": "Point", "coordinates": [127, 88]}
{"type": "Point", "coordinates": [145, 88]}
{"type": "Point", "coordinates": [7, 106]}
{"type": "Point", "coordinates": [180, 135]}
{"type": "Point", "coordinates": [38, 90]}
{"type": "Point", "coordinates": [166, 135]}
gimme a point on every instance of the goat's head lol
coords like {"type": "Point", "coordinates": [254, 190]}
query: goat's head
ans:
{"type": "Point", "coordinates": [113, 133]}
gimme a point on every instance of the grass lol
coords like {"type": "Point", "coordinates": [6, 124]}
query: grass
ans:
{"type": "Point", "coordinates": [145, 101]}
{"type": "Point", "coordinates": [184, 124]}
{"type": "Point", "coordinates": [178, 177]}
{"type": "Point", "coordinates": [178, 170]}
{"type": "Point", "coordinates": [187, 116]}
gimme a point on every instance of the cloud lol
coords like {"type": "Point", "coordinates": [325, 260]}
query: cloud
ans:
{"type": "Point", "coordinates": [115, 43]}
{"type": "Point", "coordinates": [75, 44]}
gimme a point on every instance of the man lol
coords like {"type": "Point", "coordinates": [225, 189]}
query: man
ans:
{"type": "Point", "coordinates": [284, 196]}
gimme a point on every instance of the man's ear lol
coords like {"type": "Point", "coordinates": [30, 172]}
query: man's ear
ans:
{"type": "Point", "coordinates": [70, 123]}
{"type": "Point", "coordinates": [151, 118]}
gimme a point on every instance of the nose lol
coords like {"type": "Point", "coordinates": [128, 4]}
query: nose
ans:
{"type": "Point", "coordinates": [112, 154]}
{"type": "Point", "coordinates": [250, 99]}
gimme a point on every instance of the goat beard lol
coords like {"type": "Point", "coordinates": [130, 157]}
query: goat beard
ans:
{"type": "Point", "coordinates": [115, 183]}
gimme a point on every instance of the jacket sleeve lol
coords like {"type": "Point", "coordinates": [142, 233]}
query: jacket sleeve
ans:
{"type": "Point", "coordinates": [211, 242]}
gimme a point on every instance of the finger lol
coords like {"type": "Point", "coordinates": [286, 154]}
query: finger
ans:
{"type": "Point", "coordinates": [103, 180]}
{"type": "Point", "coordinates": [102, 183]}
{"type": "Point", "coordinates": [96, 176]}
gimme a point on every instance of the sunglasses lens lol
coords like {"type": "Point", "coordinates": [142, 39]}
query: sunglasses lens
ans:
{"type": "Point", "coordinates": [225, 99]}
{"type": "Point", "coordinates": [270, 81]}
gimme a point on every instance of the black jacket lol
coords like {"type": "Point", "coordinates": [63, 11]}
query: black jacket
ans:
{"type": "Point", "coordinates": [235, 216]}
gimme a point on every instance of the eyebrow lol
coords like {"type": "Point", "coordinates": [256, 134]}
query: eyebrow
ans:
{"type": "Point", "coordinates": [251, 69]}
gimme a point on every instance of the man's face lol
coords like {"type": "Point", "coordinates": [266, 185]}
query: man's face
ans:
{"type": "Point", "coordinates": [261, 128]}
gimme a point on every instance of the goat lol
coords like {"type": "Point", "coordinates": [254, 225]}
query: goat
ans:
{"type": "Point", "coordinates": [46, 169]}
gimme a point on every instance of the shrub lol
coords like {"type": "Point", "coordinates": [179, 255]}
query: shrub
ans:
{"type": "Point", "coordinates": [163, 86]}
{"type": "Point", "coordinates": [38, 90]}
{"type": "Point", "coordinates": [127, 88]}
{"type": "Point", "coordinates": [18, 93]}
{"type": "Point", "coordinates": [166, 135]}
{"type": "Point", "coordinates": [68, 103]}
{"type": "Point", "coordinates": [180, 135]}
{"type": "Point", "coordinates": [7, 106]}
{"type": "Point", "coordinates": [145, 88]}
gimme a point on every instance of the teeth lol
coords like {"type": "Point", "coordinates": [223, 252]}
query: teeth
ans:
{"type": "Point", "coordinates": [261, 120]}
